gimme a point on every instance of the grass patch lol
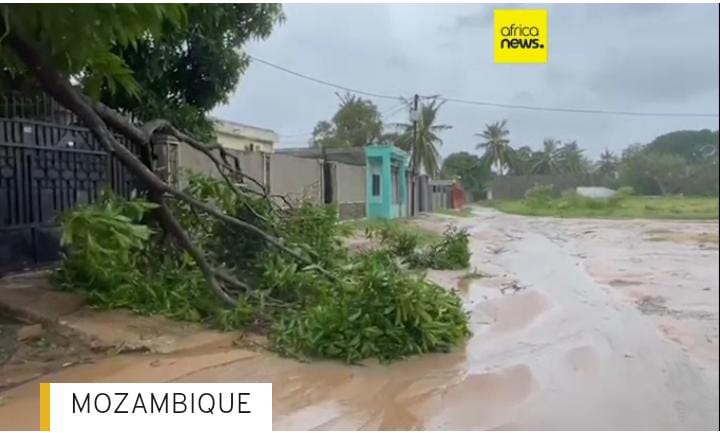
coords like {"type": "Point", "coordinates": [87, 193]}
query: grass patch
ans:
{"type": "Point", "coordinates": [400, 227]}
{"type": "Point", "coordinates": [670, 207]}
{"type": "Point", "coordinates": [464, 212]}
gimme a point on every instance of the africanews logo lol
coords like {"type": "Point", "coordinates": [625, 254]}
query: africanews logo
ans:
{"type": "Point", "coordinates": [520, 35]}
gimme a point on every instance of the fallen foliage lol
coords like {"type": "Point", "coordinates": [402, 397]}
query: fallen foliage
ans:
{"type": "Point", "coordinates": [374, 306]}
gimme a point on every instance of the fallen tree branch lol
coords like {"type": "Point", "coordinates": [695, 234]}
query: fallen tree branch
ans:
{"type": "Point", "coordinates": [143, 136]}
{"type": "Point", "coordinates": [172, 226]}
{"type": "Point", "coordinates": [94, 116]}
{"type": "Point", "coordinates": [240, 223]}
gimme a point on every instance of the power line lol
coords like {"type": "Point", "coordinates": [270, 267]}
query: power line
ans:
{"type": "Point", "coordinates": [579, 110]}
{"type": "Point", "coordinates": [487, 103]}
{"type": "Point", "coordinates": [393, 111]}
{"type": "Point", "coordinates": [323, 82]}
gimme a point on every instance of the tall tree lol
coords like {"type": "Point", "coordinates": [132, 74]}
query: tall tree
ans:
{"type": "Point", "coordinates": [468, 168]}
{"type": "Point", "coordinates": [571, 159]}
{"type": "Point", "coordinates": [678, 162]}
{"type": "Point", "coordinates": [607, 164]}
{"type": "Point", "coordinates": [498, 153]}
{"type": "Point", "coordinates": [184, 71]}
{"type": "Point", "coordinates": [547, 160]}
{"type": "Point", "coordinates": [523, 160]}
{"type": "Point", "coordinates": [695, 147]}
{"type": "Point", "coordinates": [654, 173]}
{"type": "Point", "coordinates": [190, 69]}
{"type": "Point", "coordinates": [424, 148]}
{"type": "Point", "coordinates": [357, 123]}
{"type": "Point", "coordinates": [49, 45]}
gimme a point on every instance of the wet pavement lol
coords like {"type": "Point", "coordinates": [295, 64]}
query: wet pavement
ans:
{"type": "Point", "coordinates": [580, 324]}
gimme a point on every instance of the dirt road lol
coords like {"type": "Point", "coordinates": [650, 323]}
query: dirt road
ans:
{"type": "Point", "coordinates": [581, 324]}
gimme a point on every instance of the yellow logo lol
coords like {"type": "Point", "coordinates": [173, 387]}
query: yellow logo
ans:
{"type": "Point", "coordinates": [520, 36]}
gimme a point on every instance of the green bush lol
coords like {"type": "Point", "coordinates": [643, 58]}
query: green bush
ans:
{"type": "Point", "coordinates": [107, 257]}
{"type": "Point", "coordinates": [539, 196]}
{"type": "Point", "coordinates": [577, 201]}
{"type": "Point", "coordinates": [380, 310]}
{"type": "Point", "coordinates": [624, 192]}
{"type": "Point", "coordinates": [452, 252]}
{"type": "Point", "coordinates": [401, 241]}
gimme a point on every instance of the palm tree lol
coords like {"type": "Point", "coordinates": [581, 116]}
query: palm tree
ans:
{"type": "Point", "coordinates": [498, 152]}
{"type": "Point", "coordinates": [522, 160]}
{"type": "Point", "coordinates": [608, 163]}
{"type": "Point", "coordinates": [571, 158]}
{"type": "Point", "coordinates": [424, 151]}
{"type": "Point", "coordinates": [547, 161]}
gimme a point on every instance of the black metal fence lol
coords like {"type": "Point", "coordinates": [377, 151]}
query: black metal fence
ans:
{"type": "Point", "coordinates": [48, 165]}
{"type": "Point", "coordinates": [38, 107]}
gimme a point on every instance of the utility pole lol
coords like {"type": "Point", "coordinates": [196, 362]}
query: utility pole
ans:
{"type": "Point", "coordinates": [415, 116]}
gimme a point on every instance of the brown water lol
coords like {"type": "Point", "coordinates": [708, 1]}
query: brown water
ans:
{"type": "Point", "coordinates": [569, 349]}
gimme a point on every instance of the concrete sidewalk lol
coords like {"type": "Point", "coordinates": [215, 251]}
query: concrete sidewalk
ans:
{"type": "Point", "coordinates": [31, 298]}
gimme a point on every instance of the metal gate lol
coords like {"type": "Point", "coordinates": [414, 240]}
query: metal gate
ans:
{"type": "Point", "coordinates": [45, 170]}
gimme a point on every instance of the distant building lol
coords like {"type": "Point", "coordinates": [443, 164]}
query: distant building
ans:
{"type": "Point", "coordinates": [247, 138]}
{"type": "Point", "coordinates": [385, 191]}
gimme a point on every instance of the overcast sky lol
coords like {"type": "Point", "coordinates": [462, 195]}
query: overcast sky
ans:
{"type": "Point", "coordinates": [658, 58]}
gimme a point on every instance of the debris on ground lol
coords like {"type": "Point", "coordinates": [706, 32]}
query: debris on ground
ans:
{"type": "Point", "coordinates": [513, 286]}
{"type": "Point", "coordinates": [30, 332]}
{"type": "Point", "coordinates": [30, 351]}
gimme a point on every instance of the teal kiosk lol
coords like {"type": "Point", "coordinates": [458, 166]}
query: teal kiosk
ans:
{"type": "Point", "coordinates": [386, 181]}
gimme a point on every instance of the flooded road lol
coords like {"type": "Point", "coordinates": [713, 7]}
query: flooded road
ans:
{"type": "Point", "coordinates": [578, 324]}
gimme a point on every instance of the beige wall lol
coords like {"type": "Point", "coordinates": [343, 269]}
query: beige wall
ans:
{"type": "Point", "coordinates": [250, 163]}
{"type": "Point", "coordinates": [296, 178]}
{"type": "Point", "coordinates": [291, 176]}
{"type": "Point", "coordinates": [189, 159]}
{"type": "Point", "coordinates": [351, 183]}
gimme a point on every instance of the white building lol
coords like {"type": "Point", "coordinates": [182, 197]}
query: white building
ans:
{"type": "Point", "coordinates": [233, 135]}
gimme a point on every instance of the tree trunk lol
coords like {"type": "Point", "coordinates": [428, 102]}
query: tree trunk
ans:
{"type": "Point", "coordinates": [96, 116]}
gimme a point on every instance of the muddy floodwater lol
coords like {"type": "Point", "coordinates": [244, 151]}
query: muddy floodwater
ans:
{"type": "Point", "coordinates": [578, 324]}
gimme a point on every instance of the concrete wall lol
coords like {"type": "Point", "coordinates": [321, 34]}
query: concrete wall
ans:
{"type": "Point", "coordinates": [250, 163]}
{"type": "Point", "coordinates": [350, 183]}
{"type": "Point", "coordinates": [254, 164]}
{"type": "Point", "coordinates": [440, 197]}
{"type": "Point", "coordinates": [192, 160]}
{"type": "Point", "coordinates": [349, 190]}
{"type": "Point", "coordinates": [296, 178]}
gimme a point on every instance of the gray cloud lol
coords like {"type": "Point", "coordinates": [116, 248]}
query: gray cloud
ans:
{"type": "Point", "coordinates": [474, 20]}
{"type": "Point", "coordinates": [656, 76]}
{"type": "Point", "coordinates": [623, 57]}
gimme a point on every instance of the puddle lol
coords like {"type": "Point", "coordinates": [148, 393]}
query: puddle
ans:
{"type": "Point", "coordinates": [513, 312]}
{"type": "Point", "coordinates": [549, 356]}
{"type": "Point", "coordinates": [583, 359]}
{"type": "Point", "coordinates": [481, 401]}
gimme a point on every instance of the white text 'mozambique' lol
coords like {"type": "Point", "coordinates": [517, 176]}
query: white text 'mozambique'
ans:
{"type": "Point", "coordinates": [80, 407]}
